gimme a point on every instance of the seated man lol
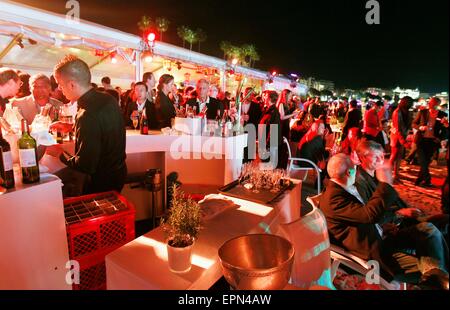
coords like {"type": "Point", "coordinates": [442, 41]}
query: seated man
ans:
{"type": "Point", "coordinates": [352, 224]}
{"type": "Point", "coordinates": [371, 156]}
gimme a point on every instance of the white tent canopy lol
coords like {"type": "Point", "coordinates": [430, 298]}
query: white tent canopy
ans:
{"type": "Point", "coordinates": [53, 36]}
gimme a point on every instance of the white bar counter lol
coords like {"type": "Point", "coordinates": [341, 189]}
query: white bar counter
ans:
{"type": "Point", "coordinates": [197, 159]}
{"type": "Point", "coordinates": [142, 263]}
{"type": "Point", "coordinates": [33, 242]}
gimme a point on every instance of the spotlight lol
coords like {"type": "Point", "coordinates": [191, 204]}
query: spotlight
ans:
{"type": "Point", "coordinates": [151, 37]}
{"type": "Point", "coordinates": [147, 56]}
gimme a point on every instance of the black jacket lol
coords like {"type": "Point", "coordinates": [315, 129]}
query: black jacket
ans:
{"type": "Point", "coordinates": [213, 106]}
{"type": "Point", "coordinates": [165, 110]}
{"type": "Point", "coordinates": [421, 119]}
{"type": "Point", "coordinates": [150, 111]}
{"type": "Point", "coordinates": [271, 116]}
{"type": "Point", "coordinates": [254, 114]}
{"type": "Point", "coordinates": [366, 186]}
{"type": "Point", "coordinates": [352, 119]}
{"type": "Point", "coordinates": [100, 142]}
{"type": "Point", "coordinates": [351, 224]}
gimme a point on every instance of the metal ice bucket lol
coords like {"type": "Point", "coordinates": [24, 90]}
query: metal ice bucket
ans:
{"type": "Point", "coordinates": [257, 262]}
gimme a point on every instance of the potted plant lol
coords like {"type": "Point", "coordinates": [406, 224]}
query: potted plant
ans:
{"type": "Point", "coordinates": [182, 227]}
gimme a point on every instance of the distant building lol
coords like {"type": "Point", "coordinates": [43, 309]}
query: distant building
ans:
{"type": "Point", "coordinates": [380, 91]}
{"type": "Point", "coordinates": [325, 84]}
{"type": "Point", "coordinates": [443, 96]}
{"type": "Point", "coordinates": [413, 93]}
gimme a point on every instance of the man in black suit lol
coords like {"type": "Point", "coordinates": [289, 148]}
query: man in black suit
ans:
{"type": "Point", "coordinates": [353, 225]}
{"type": "Point", "coordinates": [203, 101]}
{"type": "Point", "coordinates": [138, 106]}
{"type": "Point", "coordinates": [251, 114]}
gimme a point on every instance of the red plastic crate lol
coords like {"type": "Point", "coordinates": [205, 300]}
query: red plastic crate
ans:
{"type": "Point", "coordinates": [97, 225]}
{"type": "Point", "coordinates": [92, 273]}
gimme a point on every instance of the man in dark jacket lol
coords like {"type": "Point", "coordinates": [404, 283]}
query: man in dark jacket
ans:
{"type": "Point", "coordinates": [137, 107]}
{"type": "Point", "coordinates": [99, 130]}
{"type": "Point", "coordinates": [270, 128]}
{"type": "Point", "coordinates": [353, 225]}
{"type": "Point", "coordinates": [213, 107]}
{"type": "Point", "coordinates": [432, 126]}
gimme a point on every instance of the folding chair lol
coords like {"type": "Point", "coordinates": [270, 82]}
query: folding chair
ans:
{"type": "Point", "coordinates": [341, 256]}
{"type": "Point", "coordinates": [294, 167]}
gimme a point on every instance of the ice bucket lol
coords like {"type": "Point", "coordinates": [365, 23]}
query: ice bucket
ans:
{"type": "Point", "coordinates": [257, 262]}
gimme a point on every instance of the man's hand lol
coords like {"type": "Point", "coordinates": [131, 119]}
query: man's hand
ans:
{"type": "Point", "coordinates": [61, 127]}
{"type": "Point", "coordinates": [410, 212]}
{"type": "Point", "coordinates": [384, 174]}
{"type": "Point", "coordinates": [423, 128]}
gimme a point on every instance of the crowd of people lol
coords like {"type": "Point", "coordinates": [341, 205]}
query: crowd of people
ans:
{"type": "Point", "coordinates": [363, 210]}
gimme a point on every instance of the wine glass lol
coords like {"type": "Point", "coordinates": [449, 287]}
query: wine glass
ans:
{"type": "Point", "coordinates": [135, 119]}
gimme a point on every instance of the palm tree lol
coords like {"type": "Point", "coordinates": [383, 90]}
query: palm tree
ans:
{"type": "Point", "coordinates": [201, 37]}
{"type": "Point", "coordinates": [181, 31]}
{"type": "Point", "coordinates": [246, 52]}
{"type": "Point", "coordinates": [225, 46]}
{"type": "Point", "coordinates": [254, 56]}
{"type": "Point", "coordinates": [162, 24]}
{"type": "Point", "coordinates": [190, 37]}
{"type": "Point", "coordinates": [236, 52]}
{"type": "Point", "coordinates": [145, 24]}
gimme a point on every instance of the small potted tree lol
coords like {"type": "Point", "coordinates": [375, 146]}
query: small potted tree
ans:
{"type": "Point", "coordinates": [182, 227]}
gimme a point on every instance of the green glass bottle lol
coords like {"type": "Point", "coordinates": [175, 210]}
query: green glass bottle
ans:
{"type": "Point", "coordinates": [28, 156]}
{"type": "Point", "coordinates": [6, 163]}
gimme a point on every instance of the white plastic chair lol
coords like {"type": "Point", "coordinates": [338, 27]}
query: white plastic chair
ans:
{"type": "Point", "coordinates": [293, 167]}
{"type": "Point", "coordinates": [340, 256]}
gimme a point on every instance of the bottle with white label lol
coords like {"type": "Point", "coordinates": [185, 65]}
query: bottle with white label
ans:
{"type": "Point", "coordinates": [6, 163]}
{"type": "Point", "coordinates": [28, 156]}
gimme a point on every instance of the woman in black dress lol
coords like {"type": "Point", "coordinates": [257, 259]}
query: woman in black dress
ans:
{"type": "Point", "coordinates": [165, 110]}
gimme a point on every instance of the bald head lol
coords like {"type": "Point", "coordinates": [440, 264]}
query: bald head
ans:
{"type": "Point", "coordinates": [339, 165]}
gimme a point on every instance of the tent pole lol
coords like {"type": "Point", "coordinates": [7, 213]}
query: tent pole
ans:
{"type": "Point", "coordinates": [139, 68]}
{"type": "Point", "coordinates": [11, 44]}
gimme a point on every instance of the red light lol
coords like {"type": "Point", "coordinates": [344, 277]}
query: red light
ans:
{"type": "Point", "coordinates": [151, 37]}
{"type": "Point", "coordinates": [274, 73]}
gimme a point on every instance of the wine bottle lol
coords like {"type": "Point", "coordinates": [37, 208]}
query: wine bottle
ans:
{"type": "Point", "coordinates": [28, 156]}
{"type": "Point", "coordinates": [6, 163]}
{"type": "Point", "coordinates": [144, 123]}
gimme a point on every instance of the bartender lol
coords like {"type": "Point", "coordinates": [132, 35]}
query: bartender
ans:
{"type": "Point", "coordinates": [98, 164]}
{"type": "Point", "coordinates": [9, 86]}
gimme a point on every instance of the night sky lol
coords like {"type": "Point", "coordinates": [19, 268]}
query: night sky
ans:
{"type": "Point", "coordinates": [325, 39]}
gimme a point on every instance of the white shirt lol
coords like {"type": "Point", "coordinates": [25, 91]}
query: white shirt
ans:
{"type": "Point", "coordinates": [245, 108]}
{"type": "Point", "coordinates": [140, 106]}
{"type": "Point", "coordinates": [202, 105]}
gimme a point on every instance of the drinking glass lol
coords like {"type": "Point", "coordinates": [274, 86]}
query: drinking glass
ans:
{"type": "Point", "coordinates": [135, 119]}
